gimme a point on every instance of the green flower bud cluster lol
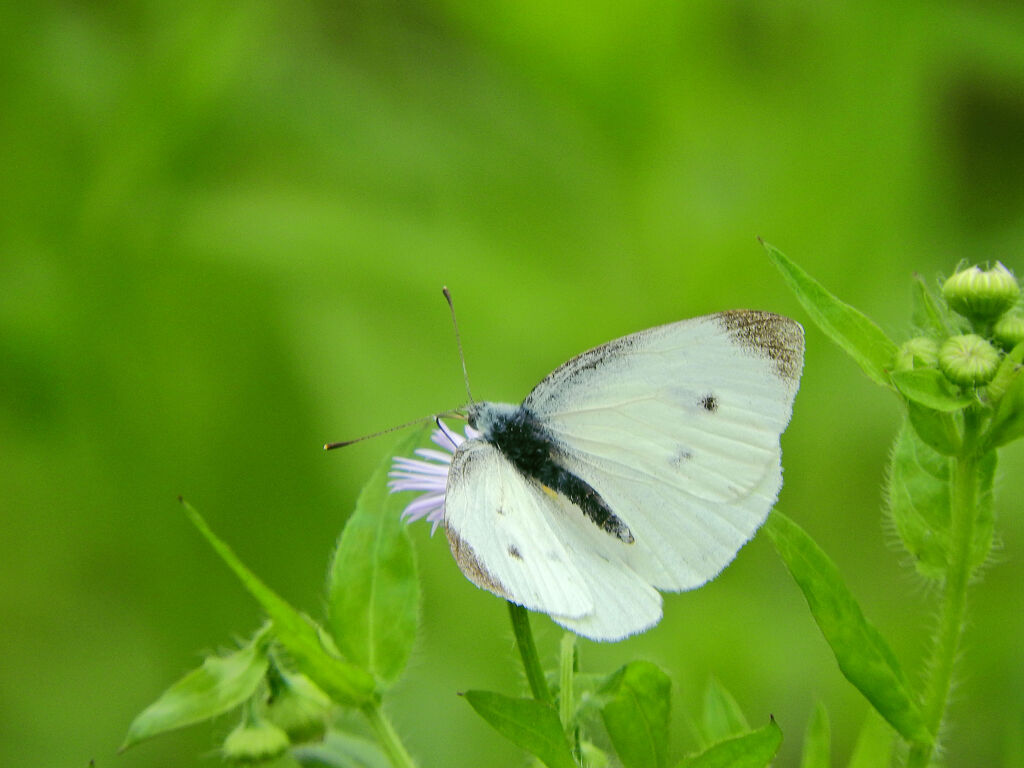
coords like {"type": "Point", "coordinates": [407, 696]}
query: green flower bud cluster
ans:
{"type": "Point", "coordinates": [987, 299]}
{"type": "Point", "coordinates": [288, 710]}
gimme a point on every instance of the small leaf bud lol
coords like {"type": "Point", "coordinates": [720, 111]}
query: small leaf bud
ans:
{"type": "Point", "coordinates": [968, 360]}
{"type": "Point", "coordinates": [298, 707]}
{"type": "Point", "coordinates": [919, 352]}
{"type": "Point", "coordinates": [254, 741]}
{"type": "Point", "coordinates": [1009, 330]}
{"type": "Point", "coordinates": [981, 295]}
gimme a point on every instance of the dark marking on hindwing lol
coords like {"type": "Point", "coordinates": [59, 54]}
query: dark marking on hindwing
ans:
{"type": "Point", "coordinates": [471, 566]}
{"type": "Point", "coordinates": [514, 553]}
{"type": "Point", "coordinates": [709, 403]}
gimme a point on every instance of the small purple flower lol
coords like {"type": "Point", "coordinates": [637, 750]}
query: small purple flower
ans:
{"type": "Point", "coordinates": [429, 477]}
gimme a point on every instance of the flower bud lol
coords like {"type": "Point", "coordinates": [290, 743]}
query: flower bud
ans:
{"type": "Point", "coordinates": [968, 360]}
{"type": "Point", "coordinates": [1009, 330]}
{"type": "Point", "coordinates": [254, 741]}
{"type": "Point", "coordinates": [919, 352]}
{"type": "Point", "coordinates": [299, 708]}
{"type": "Point", "coordinates": [981, 295]}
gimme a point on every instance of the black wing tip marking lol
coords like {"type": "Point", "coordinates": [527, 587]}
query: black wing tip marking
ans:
{"type": "Point", "coordinates": [778, 338]}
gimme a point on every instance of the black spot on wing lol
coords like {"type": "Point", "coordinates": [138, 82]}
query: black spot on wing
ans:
{"type": "Point", "coordinates": [514, 553]}
{"type": "Point", "coordinates": [709, 403]}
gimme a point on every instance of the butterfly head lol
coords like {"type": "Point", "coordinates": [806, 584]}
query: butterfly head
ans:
{"type": "Point", "coordinates": [484, 417]}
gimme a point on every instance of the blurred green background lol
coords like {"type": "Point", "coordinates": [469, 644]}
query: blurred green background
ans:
{"type": "Point", "coordinates": [223, 231]}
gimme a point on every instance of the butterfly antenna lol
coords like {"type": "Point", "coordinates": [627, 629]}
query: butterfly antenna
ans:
{"type": "Point", "coordinates": [458, 340]}
{"type": "Point", "coordinates": [447, 414]}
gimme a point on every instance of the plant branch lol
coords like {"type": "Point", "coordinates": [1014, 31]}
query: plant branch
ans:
{"type": "Point", "coordinates": [963, 512]}
{"type": "Point", "coordinates": [388, 737]}
{"type": "Point", "coordinates": [528, 650]}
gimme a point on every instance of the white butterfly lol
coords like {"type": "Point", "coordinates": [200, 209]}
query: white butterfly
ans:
{"type": "Point", "coordinates": [643, 464]}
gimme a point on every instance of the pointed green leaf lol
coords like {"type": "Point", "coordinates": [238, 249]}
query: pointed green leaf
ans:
{"type": "Point", "coordinates": [529, 724]}
{"type": "Point", "coordinates": [219, 685]}
{"type": "Point", "coordinates": [817, 740]}
{"type": "Point", "coordinates": [863, 654]}
{"type": "Point", "coordinates": [721, 717]}
{"type": "Point", "coordinates": [937, 429]}
{"type": "Point", "coordinates": [754, 749]}
{"type": "Point", "coordinates": [1008, 422]}
{"type": "Point", "coordinates": [928, 387]}
{"type": "Point", "coordinates": [849, 328]}
{"type": "Point", "coordinates": [919, 501]}
{"type": "Point", "coordinates": [930, 315]}
{"type": "Point", "coordinates": [636, 713]}
{"type": "Point", "coordinates": [874, 744]}
{"type": "Point", "coordinates": [373, 590]}
{"type": "Point", "coordinates": [345, 683]}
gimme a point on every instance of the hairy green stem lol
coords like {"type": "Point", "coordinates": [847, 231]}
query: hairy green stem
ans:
{"type": "Point", "coordinates": [528, 650]}
{"type": "Point", "coordinates": [388, 738]}
{"type": "Point", "coordinates": [963, 511]}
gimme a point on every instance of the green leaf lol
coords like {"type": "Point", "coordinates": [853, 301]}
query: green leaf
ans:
{"type": "Point", "coordinates": [750, 750]}
{"type": "Point", "coordinates": [863, 654]}
{"type": "Point", "coordinates": [219, 685]}
{"type": "Point", "coordinates": [1008, 422]}
{"type": "Point", "coordinates": [852, 330]}
{"type": "Point", "coordinates": [373, 590]}
{"type": "Point", "coordinates": [929, 315]}
{"type": "Point", "coordinates": [817, 740]}
{"type": "Point", "coordinates": [530, 724]}
{"type": "Point", "coordinates": [636, 714]}
{"type": "Point", "coordinates": [874, 744]}
{"type": "Point", "coordinates": [341, 750]}
{"type": "Point", "coordinates": [345, 683]}
{"type": "Point", "coordinates": [721, 717]}
{"type": "Point", "coordinates": [919, 501]}
{"type": "Point", "coordinates": [928, 387]}
{"type": "Point", "coordinates": [937, 429]}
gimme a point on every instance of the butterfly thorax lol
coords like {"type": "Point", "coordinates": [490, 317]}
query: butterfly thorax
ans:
{"type": "Point", "coordinates": [529, 446]}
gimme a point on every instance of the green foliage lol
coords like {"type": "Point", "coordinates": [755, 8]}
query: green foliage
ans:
{"type": "Point", "coordinates": [218, 686]}
{"type": "Point", "coordinates": [530, 724]}
{"type": "Point", "coordinates": [864, 656]}
{"type": "Point", "coordinates": [961, 403]}
{"type": "Point", "coordinates": [637, 699]}
{"type": "Point", "coordinates": [341, 750]}
{"type": "Point", "coordinates": [721, 717]}
{"type": "Point", "coordinates": [754, 749]}
{"type": "Point", "coordinates": [373, 589]}
{"type": "Point", "coordinates": [874, 745]}
{"type": "Point", "coordinates": [849, 328]}
{"type": "Point", "coordinates": [343, 681]}
{"type": "Point", "coordinates": [817, 740]}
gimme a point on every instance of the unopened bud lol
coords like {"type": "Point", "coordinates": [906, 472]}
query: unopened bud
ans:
{"type": "Point", "coordinates": [1009, 330]}
{"type": "Point", "coordinates": [919, 352]}
{"type": "Point", "coordinates": [981, 295]}
{"type": "Point", "coordinates": [254, 741]}
{"type": "Point", "coordinates": [968, 360]}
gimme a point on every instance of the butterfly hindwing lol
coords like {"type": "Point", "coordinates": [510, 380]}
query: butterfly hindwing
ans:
{"type": "Point", "coordinates": [522, 542]}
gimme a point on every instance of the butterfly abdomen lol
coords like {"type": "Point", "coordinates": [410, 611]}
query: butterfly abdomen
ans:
{"type": "Point", "coordinates": [526, 444]}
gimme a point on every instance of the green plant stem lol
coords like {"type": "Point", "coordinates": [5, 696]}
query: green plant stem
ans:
{"type": "Point", "coordinates": [528, 650]}
{"type": "Point", "coordinates": [388, 738]}
{"type": "Point", "coordinates": [963, 511]}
